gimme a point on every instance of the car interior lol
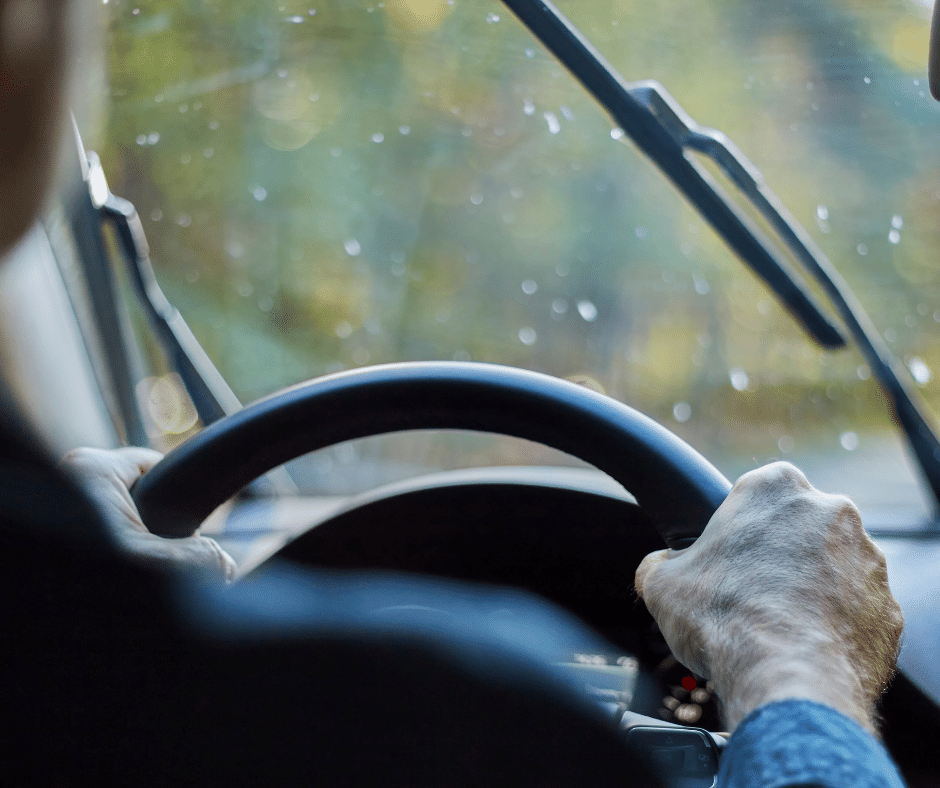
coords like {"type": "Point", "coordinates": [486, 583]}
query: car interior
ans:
{"type": "Point", "coordinates": [453, 608]}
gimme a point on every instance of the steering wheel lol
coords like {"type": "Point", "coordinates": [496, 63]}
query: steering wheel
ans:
{"type": "Point", "coordinates": [676, 486]}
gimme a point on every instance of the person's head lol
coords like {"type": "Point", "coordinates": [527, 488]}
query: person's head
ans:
{"type": "Point", "coordinates": [39, 40]}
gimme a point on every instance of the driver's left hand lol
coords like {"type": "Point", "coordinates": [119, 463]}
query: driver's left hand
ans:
{"type": "Point", "coordinates": [108, 476]}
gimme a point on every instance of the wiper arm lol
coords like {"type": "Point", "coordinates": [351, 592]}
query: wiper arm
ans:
{"type": "Point", "coordinates": [661, 129]}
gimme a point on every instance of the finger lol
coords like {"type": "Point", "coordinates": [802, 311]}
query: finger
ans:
{"type": "Point", "coordinates": [646, 567]}
{"type": "Point", "coordinates": [132, 462]}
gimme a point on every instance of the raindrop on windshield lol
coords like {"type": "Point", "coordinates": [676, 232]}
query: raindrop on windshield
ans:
{"type": "Point", "coordinates": [141, 139]}
{"type": "Point", "coordinates": [527, 336]}
{"type": "Point", "coordinates": [559, 306]}
{"type": "Point", "coordinates": [296, 19]}
{"type": "Point", "coordinates": [528, 107]}
{"type": "Point", "coordinates": [701, 286]}
{"type": "Point", "coordinates": [153, 138]}
{"type": "Point", "coordinates": [260, 193]}
{"type": "Point", "coordinates": [919, 370]}
{"type": "Point", "coordinates": [738, 378]}
{"type": "Point", "coordinates": [404, 130]}
{"type": "Point", "coordinates": [863, 372]}
{"type": "Point", "coordinates": [378, 137]}
{"type": "Point", "coordinates": [897, 222]}
{"type": "Point", "coordinates": [554, 126]}
{"type": "Point", "coordinates": [492, 18]}
{"type": "Point", "coordinates": [530, 53]}
{"type": "Point", "coordinates": [529, 286]}
{"type": "Point", "coordinates": [862, 249]}
{"type": "Point", "coordinates": [682, 411]}
{"type": "Point", "coordinates": [894, 236]}
{"type": "Point", "coordinates": [642, 232]}
{"type": "Point", "coordinates": [867, 80]}
{"type": "Point", "coordinates": [849, 440]}
{"type": "Point", "coordinates": [587, 310]}
{"type": "Point", "coordinates": [476, 199]}
{"type": "Point", "coordinates": [786, 444]}
{"type": "Point", "coordinates": [616, 134]}
{"type": "Point", "coordinates": [343, 330]}
{"type": "Point", "coordinates": [352, 247]}
{"type": "Point", "coordinates": [822, 212]}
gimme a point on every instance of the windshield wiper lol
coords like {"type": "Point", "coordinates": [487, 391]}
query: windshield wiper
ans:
{"type": "Point", "coordinates": [660, 128]}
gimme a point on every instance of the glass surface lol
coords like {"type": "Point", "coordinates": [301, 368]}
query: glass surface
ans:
{"type": "Point", "coordinates": [333, 184]}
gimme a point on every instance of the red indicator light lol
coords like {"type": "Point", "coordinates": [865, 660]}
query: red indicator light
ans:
{"type": "Point", "coordinates": [689, 683]}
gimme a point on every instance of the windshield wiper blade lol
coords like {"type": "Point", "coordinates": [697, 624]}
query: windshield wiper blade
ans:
{"type": "Point", "coordinates": [660, 128]}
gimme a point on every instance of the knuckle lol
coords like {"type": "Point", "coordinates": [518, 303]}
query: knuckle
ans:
{"type": "Point", "coordinates": [774, 476]}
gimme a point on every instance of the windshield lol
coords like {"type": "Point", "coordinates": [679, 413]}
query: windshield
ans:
{"type": "Point", "coordinates": [333, 184]}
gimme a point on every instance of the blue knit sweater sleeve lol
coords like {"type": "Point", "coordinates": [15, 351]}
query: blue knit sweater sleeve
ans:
{"type": "Point", "coordinates": [801, 743]}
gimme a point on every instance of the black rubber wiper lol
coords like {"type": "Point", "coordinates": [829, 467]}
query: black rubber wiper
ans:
{"type": "Point", "coordinates": [660, 128]}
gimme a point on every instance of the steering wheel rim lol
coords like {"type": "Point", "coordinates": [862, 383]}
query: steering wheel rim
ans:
{"type": "Point", "coordinates": [671, 481]}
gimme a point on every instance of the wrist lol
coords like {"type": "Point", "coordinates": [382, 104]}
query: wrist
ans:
{"type": "Point", "coordinates": [815, 674]}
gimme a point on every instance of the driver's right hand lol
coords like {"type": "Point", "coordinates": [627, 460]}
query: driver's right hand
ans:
{"type": "Point", "coordinates": [784, 595]}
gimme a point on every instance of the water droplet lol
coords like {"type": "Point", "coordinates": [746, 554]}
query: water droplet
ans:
{"type": "Point", "coordinates": [214, 125]}
{"type": "Point", "coordinates": [156, 215]}
{"type": "Point", "coordinates": [378, 137]}
{"type": "Point", "coordinates": [153, 138]}
{"type": "Point", "coordinates": [260, 193]}
{"type": "Point", "coordinates": [554, 126]}
{"type": "Point", "coordinates": [352, 247]}
{"type": "Point", "coordinates": [492, 18]}
{"type": "Point", "coordinates": [616, 134]}
{"type": "Point", "coordinates": [296, 19]}
{"type": "Point", "coordinates": [530, 53]}
{"type": "Point", "coordinates": [587, 310]}
{"type": "Point", "coordinates": [528, 107]}
{"type": "Point", "coordinates": [184, 220]}
{"type": "Point", "coordinates": [919, 370]}
{"type": "Point", "coordinates": [701, 286]}
{"type": "Point", "coordinates": [312, 12]}
{"type": "Point", "coordinates": [476, 198]}
{"type": "Point", "coordinates": [566, 112]}
{"type": "Point", "coordinates": [738, 378]}
{"type": "Point", "coordinates": [336, 152]}
{"type": "Point", "coordinates": [343, 329]}
{"type": "Point", "coordinates": [527, 336]}
{"type": "Point", "coordinates": [141, 139]}
{"type": "Point", "coordinates": [530, 286]}
{"type": "Point", "coordinates": [894, 237]}
{"type": "Point", "coordinates": [849, 440]}
{"type": "Point", "coordinates": [235, 250]}
{"type": "Point", "coordinates": [867, 80]}
{"type": "Point", "coordinates": [891, 335]}
{"type": "Point", "coordinates": [862, 249]}
{"type": "Point", "coordinates": [897, 222]}
{"type": "Point", "coordinates": [822, 212]}
{"type": "Point", "coordinates": [642, 232]}
{"type": "Point", "coordinates": [682, 412]}
{"type": "Point", "coordinates": [404, 130]}
{"type": "Point", "coordinates": [559, 306]}
{"type": "Point", "coordinates": [786, 444]}
{"type": "Point", "coordinates": [207, 153]}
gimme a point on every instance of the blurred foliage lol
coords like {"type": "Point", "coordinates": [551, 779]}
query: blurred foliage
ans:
{"type": "Point", "coordinates": [329, 184]}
